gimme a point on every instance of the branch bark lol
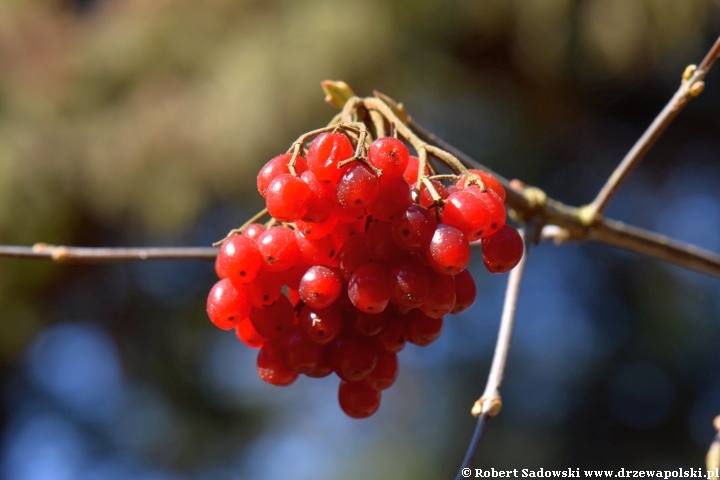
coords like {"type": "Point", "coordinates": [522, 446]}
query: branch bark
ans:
{"type": "Point", "coordinates": [107, 254]}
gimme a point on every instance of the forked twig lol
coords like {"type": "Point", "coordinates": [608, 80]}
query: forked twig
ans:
{"type": "Point", "coordinates": [490, 403]}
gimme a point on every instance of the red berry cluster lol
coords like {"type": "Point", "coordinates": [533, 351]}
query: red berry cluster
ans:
{"type": "Point", "coordinates": [364, 268]}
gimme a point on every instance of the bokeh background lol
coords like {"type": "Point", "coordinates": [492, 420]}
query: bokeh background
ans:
{"type": "Point", "coordinates": [141, 122]}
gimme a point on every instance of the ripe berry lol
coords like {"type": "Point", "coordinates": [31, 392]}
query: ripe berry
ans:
{"type": "Point", "coordinates": [272, 321]}
{"type": "Point", "coordinates": [465, 292]}
{"type": "Point", "coordinates": [358, 400]}
{"type": "Point", "coordinates": [358, 187]}
{"type": "Point", "coordinates": [490, 182]}
{"type": "Point", "coordinates": [226, 305]}
{"type": "Point", "coordinates": [502, 250]}
{"type": "Point", "coordinates": [414, 228]}
{"type": "Point", "coordinates": [299, 355]}
{"type": "Point", "coordinates": [411, 171]}
{"type": "Point", "coordinates": [325, 152]}
{"type": "Point", "coordinates": [253, 231]}
{"type": "Point", "coordinates": [421, 329]}
{"type": "Point", "coordinates": [389, 155]}
{"type": "Point", "coordinates": [324, 365]}
{"type": "Point", "coordinates": [410, 284]}
{"type": "Point", "coordinates": [369, 288]}
{"type": "Point", "coordinates": [449, 250]}
{"type": "Point", "coordinates": [316, 230]}
{"type": "Point", "coordinates": [271, 367]}
{"type": "Point", "coordinates": [278, 248]}
{"type": "Point", "coordinates": [393, 336]}
{"type": "Point", "coordinates": [464, 210]}
{"type": "Point", "coordinates": [353, 254]}
{"type": "Point", "coordinates": [264, 290]}
{"type": "Point", "coordinates": [278, 166]}
{"type": "Point", "coordinates": [426, 199]}
{"type": "Point", "coordinates": [238, 258]}
{"type": "Point", "coordinates": [441, 297]}
{"type": "Point", "coordinates": [384, 373]}
{"type": "Point", "coordinates": [367, 324]}
{"type": "Point", "coordinates": [320, 287]}
{"type": "Point", "coordinates": [320, 326]}
{"type": "Point", "coordinates": [320, 204]}
{"type": "Point", "coordinates": [380, 242]}
{"type": "Point", "coordinates": [320, 251]}
{"type": "Point", "coordinates": [286, 198]}
{"type": "Point", "coordinates": [247, 334]}
{"type": "Point", "coordinates": [353, 357]}
{"type": "Point", "coordinates": [495, 207]}
{"type": "Point", "coordinates": [394, 197]}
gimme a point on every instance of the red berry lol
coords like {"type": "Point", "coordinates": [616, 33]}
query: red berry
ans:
{"type": "Point", "coordinates": [367, 324]}
{"type": "Point", "coordinates": [369, 288]}
{"type": "Point", "coordinates": [278, 248]}
{"type": "Point", "coordinates": [426, 199]}
{"type": "Point", "coordinates": [320, 287]}
{"type": "Point", "coordinates": [465, 292]}
{"type": "Point", "coordinates": [226, 305]}
{"type": "Point", "coordinates": [358, 400]}
{"type": "Point", "coordinates": [389, 155]}
{"type": "Point", "coordinates": [495, 207]}
{"type": "Point", "coordinates": [238, 258]}
{"type": "Point", "coordinates": [489, 181]}
{"type": "Point", "coordinates": [410, 284]}
{"type": "Point", "coordinates": [394, 197]}
{"type": "Point", "coordinates": [349, 214]}
{"type": "Point", "coordinates": [449, 251]}
{"type": "Point", "coordinates": [293, 275]}
{"type": "Point", "coordinates": [286, 198]}
{"type": "Point", "coordinates": [464, 210]}
{"type": "Point", "coordinates": [320, 251]}
{"type": "Point", "coordinates": [380, 242]}
{"type": "Point", "coordinates": [353, 254]}
{"type": "Point", "coordinates": [300, 355]}
{"type": "Point", "coordinates": [502, 250]}
{"type": "Point", "coordinates": [421, 329]}
{"type": "Point", "coordinates": [270, 365]}
{"type": "Point", "coordinates": [316, 230]}
{"type": "Point", "coordinates": [248, 335]}
{"type": "Point", "coordinates": [324, 366]}
{"type": "Point", "coordinates": [271, 322]}
{"type": "Point", "coordinates": [324, 154]}
{"type": "Point", "coordinates": [393, 335]}
{"type": "Point", "coordinates": [411, 171]}
{"type": "Point", "coordinates": [358, 187]}
{"type": "Point", "coordinates": [384, 373]}
{"type": "Point", "coordinates": [278, 166]}
{"type": "Point", "coordinates": [264, 290]}
{"type": "Point", "coordinates": [441, 297]}
{"type": "Point", "coordinates": [253, 231]}
{"type": "Point", "coordinates": [320, 326]}
{"type": "Point", "coordinates": [320, 204]}
{"type": "Point", "coordinates": [353, 357]}
{"type": "Point", "coordinates": [414, 228]}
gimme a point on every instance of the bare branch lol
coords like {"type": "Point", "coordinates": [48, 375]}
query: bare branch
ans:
{"type": "Point", "coordinates": [691, 86]}
{"type": "Point", "coordinates": [490, 402]}
{"type": "Point", "coordinates": [107, 254]}
{"type": "Point", "coordinates": [712, 459]}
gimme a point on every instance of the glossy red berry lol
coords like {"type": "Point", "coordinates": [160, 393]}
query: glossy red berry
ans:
{"type": "Point", "coordinates": [394, 197]}
{"type": "Point", "coordinates": [247, 334]}
{"type": "Point", "coordinates": [422, 330]}
{"type": "Point", "coordinates": [464, 210]}
{"type": "Point", "coordinates": [264, 290]}
{"type": "Point", "coordinates": [320, 326]}
{"type": "Point", "coordinates": [380, 242]}
{"type": "Point", "coordinates": [271, 367]}
{"type": "Point", "coordinates": [320, 287]}
{"type": "Point", "coordinates": [367, 324]}
{"type": "Point", "coordinates": [358, 400]}
{"type": "Point", "coordinates": [414, 228]}
{"type": "Point", "coordinates": [239, 258]}
{"type": "Point", "coordinates": [465, 292]}
{"type": "Point", "coordinates": [275, 167]}
{"type": "Point", "coordinates": [389, 155]}
{"type": "Point", "coordinates": [253, 231]}
{"type": "Point", "coordinates": [426, 199]}
{"type": "Point", "coordinates": [411, 171]}
{"type": "Point", "coordinates": [316, 230]}
{"type": "Point", "coordinates": [353, 254]}
{"type": "Point", "coordinates": [502, 250]}
{"type": "Point", "coordinates": [449, 251]}
{"type": "Point", "coordinates": [271, 322]}
{"type": "Point", "coordinates": [495, 207]}
{"type": "Point", "coordinates": [226, 305]}
{"type": "Point", "coordinates": [278, 249]}
{"type": "Point", "coordinates": [358, 187]}
{"type": "Point", "coordinates": [324, 366]}
{"type": "Point", "coordinates": [320, 204]}
{"type": "Point", "coordinates": [353, 357]}
{"type": "Point", "coordinates": [410, 284]}
{"type": "Point", "coordinates": [488, 180]}
{"type": "Point", "coordinates": [286, 198]}
{"type": "Point", "coordinates": [441, 297]}
{"type": "Point", "coordinates": [299, 354]}
{"type": "Point", "coordinates": [321, 251]}
{"type": "Point", "coordinates": [324, 154]}
{"type": "Point", "coordinates": [393, 335]}
{"type": "Point", "coordinates": [369, 288]}
{"type": "Point", "coordinates": [384, 373]}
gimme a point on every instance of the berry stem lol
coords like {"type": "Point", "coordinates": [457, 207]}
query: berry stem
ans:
{"type": "Point", "coordinates": [254, 219]}
{"type": "Point", "coordinates": [437, 200]}
{"type": "Point", "coordinates": [490, 403]}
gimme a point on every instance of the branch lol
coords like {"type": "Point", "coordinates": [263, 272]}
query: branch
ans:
{"type": "Point", "coordinates": [490, 402]}
{"type": "Point", "coordinates": [692, 85]}
{"type": "Point", "coordinates": [106, 254]}
{"type": "Point", "coordinates": [712, 459]}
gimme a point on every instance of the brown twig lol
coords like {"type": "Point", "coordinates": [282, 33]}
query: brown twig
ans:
{"type": "Point", "coordinates": [691, 86]}
{"type": "Point", "coordinates": [490, 403]}
{"type": "Point", "coordinates": [107, 254]}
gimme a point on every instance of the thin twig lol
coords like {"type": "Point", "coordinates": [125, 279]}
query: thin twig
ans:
{"type": "Point", "coordinates": [107, 254]}
{"type": "Point", "coordinates": [712, 459]}
{"type": "Point", "coordinates": [490, 403]}
{"type": "Point", "coordinates": [691, 86]}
